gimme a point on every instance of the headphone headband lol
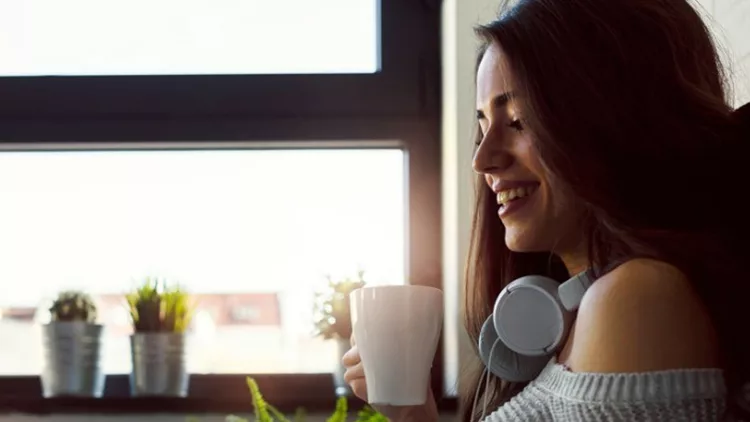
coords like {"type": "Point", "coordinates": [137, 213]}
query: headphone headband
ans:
{"type": "Point", "coordinates": [571, 292]}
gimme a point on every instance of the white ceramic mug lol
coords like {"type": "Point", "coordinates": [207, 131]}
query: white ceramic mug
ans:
{"type": "Point", "coordinates": [397, 329]}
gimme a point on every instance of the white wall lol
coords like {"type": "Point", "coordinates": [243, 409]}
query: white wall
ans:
{"type": "Point", "coordinates": [459, 57]}
{"type": "Point", "coordinates": [729, 19]}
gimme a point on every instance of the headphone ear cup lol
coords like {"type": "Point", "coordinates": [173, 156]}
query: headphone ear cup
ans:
{"type": "Point", "coordinates": [529, 317]}
{"type": "Point", "coordinates": [505, 363]}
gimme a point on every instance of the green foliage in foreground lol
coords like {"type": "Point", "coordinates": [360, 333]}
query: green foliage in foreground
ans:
{"type": "Point", "coordinates": [265, 412]}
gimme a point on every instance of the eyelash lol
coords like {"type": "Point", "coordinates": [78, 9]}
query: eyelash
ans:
{"type": "Point", "coordinates": [515, 124]}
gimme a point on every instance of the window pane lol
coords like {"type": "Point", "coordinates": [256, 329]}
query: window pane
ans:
{"type": "Point", "coordinates": [251, 233]}
{"type": "Point", "coordinates": [175, 37]}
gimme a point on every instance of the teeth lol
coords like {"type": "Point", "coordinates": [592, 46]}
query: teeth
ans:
{"type": "Point", "coordinates": [510, 194]}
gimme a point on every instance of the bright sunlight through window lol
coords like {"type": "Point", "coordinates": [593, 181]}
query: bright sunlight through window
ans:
{"type": "Point", "coordinates": [251, 233]}
{"type": "Point", "coordinates": [176, 37]}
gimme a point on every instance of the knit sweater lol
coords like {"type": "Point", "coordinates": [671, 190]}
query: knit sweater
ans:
{"type": "Point", "coordinates": [690, 395]}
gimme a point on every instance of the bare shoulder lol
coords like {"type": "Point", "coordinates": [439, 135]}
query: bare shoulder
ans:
{"type": "Point", "coordinates": [642, 316]}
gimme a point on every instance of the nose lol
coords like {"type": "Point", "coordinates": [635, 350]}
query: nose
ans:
{"type": "Point", "coordinates": [491, 158]}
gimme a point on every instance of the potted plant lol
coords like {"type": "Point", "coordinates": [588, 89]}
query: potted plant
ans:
{"type": "Point", "coordinates": [333, 320]}
{"type": "Point", "coordinates": [160, 314]}
{"type": "Point", "coordinates": [72, 348]}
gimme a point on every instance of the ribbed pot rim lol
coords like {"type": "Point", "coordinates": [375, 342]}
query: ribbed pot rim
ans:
{"type": "Point", "coordinates": [155, 346]}
{"type": "Point", "coordinates": [72, 323]}
{"type": "Point", "coordinates": [73, 352]}
{"type": "Point", "coordinates": [90, 338]}
{"type": "Point", "coordinates": [158, 334]}
{"type": "Point", "coordinates": [67, 330]}
{"type": "Point", "coordinates": [73, 344]}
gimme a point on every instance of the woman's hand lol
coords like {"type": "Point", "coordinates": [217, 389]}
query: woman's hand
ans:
{"type": "Point", "coordinates": [355, 377]}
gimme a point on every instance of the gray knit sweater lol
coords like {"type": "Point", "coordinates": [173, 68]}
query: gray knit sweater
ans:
{"type": "Point", "coordinates": [690, 395]}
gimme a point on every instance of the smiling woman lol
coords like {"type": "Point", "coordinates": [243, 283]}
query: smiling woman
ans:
{"type": "Point", "coordinates": [594, 139]}
{"type": "Point", "coordinates": [534, 210]}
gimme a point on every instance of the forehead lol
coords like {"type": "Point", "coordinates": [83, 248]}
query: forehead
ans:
{"type": "Point", "coordinates": [493, 75]}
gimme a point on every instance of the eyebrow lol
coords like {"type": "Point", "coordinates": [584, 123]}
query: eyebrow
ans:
{"type": "Point", "coordinates": [498, 102]}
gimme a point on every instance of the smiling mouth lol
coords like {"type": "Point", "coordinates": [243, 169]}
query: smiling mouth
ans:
{"type": "Point", "coordinates": [507, 196]}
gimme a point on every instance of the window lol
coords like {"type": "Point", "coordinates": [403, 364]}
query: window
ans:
{"type": "Point", "coordinates": [208, 133]}
{"type": "Point", "coordinates": [251, 253]}
{"type": "Point", "coordinates": [175, 37]}
{"type": "Point", "coordinates": [320, 59]}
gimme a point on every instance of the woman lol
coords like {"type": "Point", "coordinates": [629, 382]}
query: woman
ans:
{"type": "Point", "coordinates": [612, 117]}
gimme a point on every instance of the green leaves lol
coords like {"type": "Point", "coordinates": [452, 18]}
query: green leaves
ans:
{"type": "Point", "coordinates": [73, 305]}
{"type": "Point", "coordinates": [368, 414]}
{"type": "Point", "coordinates": [157, 307]}
{"type": "Point", "coordinates": [341, 411]}
{"type": "Point", "coordinates": [331, 307]}
{"type": "Point", "coordinates": [259, 404]}
{"type": "Point", "coordinates": [264, 412]}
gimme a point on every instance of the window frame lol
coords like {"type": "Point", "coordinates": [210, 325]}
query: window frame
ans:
{"type": "Point", "coordinates": [400, 105]}
{"type": "Point", "coordinates": [407, 32]}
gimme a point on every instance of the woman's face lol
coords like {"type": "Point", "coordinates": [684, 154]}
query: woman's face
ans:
{"type": "Point", "coordinates": [536, 216]}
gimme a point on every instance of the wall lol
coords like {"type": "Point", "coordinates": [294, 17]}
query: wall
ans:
{"type": "Point", "coordinates": [459, 52]}
{"type": "Point", "coordinates": [728, 19]}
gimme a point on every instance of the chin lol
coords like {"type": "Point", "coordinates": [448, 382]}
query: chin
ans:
{"type": "Point", "coordinates": [522, 242]}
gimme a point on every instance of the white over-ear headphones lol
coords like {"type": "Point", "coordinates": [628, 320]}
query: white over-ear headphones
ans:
{"type": "Point", "coordinates": [530, 322]}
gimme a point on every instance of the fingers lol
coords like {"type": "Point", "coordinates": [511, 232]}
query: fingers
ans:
{"type": "Point", "coordinates": [355, 371]}
{"type": "Point", "coordinates": [351, 357]}
{"type": "Point", "coordinates": [359, 388]}
{"type": "Point", "coordinates": [355, 377]}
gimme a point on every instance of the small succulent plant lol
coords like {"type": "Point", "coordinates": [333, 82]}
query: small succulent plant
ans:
{"type": "Point", "coordinates": [156, 306]}
{"type": "Point", "coordinates": [331, 310]}
{"type": "Point", "coordinates": [73, 305]}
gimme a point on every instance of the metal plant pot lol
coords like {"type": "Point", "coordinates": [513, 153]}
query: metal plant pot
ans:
{"type": "Point", "coordinates": [72, 359]}
{"type": "Point", "coordinates": [159, 367]}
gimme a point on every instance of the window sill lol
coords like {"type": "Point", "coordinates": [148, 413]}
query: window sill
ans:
{"type": "Point", "coordinates": [179, 406]}
{"type": "Point", "coordinates": [209, 394]}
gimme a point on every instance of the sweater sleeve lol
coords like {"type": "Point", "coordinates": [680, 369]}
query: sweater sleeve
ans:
{"type": "Point", "coordinates": [689, 395]}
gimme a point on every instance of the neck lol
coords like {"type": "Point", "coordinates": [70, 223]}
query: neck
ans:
{"type": "Point", "coordinates": [574, 264]}
{"type": "Point", "coordinates": [575, 259]}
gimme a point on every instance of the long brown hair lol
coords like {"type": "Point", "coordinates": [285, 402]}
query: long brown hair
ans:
{"type": "Point", "coordinates": [628, 105]}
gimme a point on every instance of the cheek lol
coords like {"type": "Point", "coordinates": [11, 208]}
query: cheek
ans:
{"type": "Point", "coordinates": [562, 217]}
{"type": "Point", "coordinates": [559, 204]}
{"type": "Point", "coordinates": [552, 225]}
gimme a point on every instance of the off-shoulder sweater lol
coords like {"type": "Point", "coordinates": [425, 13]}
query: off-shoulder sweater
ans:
{"type": "Point", "coordinates": [557, 394]}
